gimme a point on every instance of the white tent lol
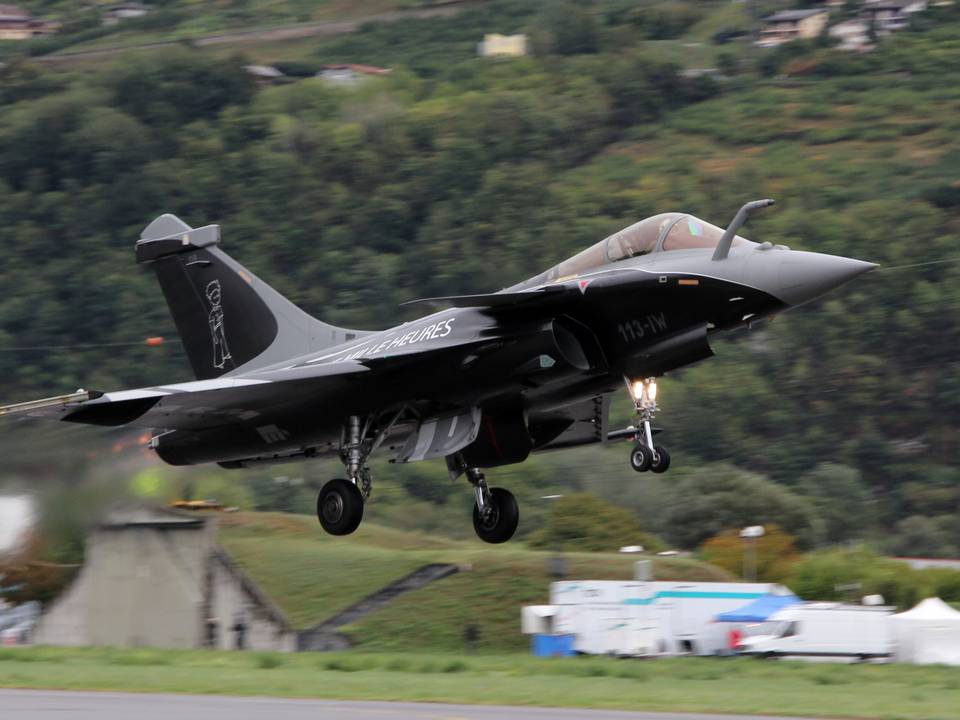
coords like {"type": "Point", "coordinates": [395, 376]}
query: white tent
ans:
{"type": "Point", "coordinates": [928, 634]}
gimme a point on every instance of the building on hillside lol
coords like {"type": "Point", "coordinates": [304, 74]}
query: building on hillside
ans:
{"type": "Point", "coordinates": [264, 75]}
{"type": "Point", "coordinates": [496, 45]}
{"type": "Point", "coordinates": [852, 35]}
{"type": "Point", "coordinates": [350, 74]}
{"type": "Point", "coordinates": [124, 11]}
{"type": "Point", "coordinates": [790, 25]}
{"type": "Point", "coordinates": [888, 16]}
{"type": "Point", "coordinates": [18, 24]}
{"type": "Point", "coordinates": [157, 578]}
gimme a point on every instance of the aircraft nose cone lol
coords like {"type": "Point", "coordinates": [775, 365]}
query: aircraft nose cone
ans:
{"type": "Point", "coordinates": [804, 276]}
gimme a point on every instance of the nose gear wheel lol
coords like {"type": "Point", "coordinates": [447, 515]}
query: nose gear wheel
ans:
{"type": "Point", "coordinates": [641, 458]}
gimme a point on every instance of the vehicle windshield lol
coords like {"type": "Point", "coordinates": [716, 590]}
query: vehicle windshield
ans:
{"type": "Point", "coordinates": [664, 232]}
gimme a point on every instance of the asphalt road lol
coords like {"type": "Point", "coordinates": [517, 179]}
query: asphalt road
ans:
{"type": "Point", "coordinates": [43, 704]}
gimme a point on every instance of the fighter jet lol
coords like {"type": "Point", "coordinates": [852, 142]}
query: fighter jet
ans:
{"type": "Point", "coordinates": [483, 381]}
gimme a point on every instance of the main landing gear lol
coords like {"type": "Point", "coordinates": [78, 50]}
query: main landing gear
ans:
{"type": "Point", "coordinates": [495, 513]}
{"type": "Point", "coordinates": [645, 455]}
{"type": "Point", "coordinates": [340, 502]}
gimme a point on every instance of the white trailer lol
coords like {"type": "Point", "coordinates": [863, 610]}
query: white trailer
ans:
{"type": "Point", "coordinates": [826, 631]}
{"type": "Point", "coordinates": [667, 617]}
{"type": "Point", "coordinates": [686, 612]}
{"type": "Point", "coordinates": [598, 629]}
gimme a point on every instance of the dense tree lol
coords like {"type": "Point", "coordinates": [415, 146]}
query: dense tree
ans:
{"type": "Point", "coordinates": [715, 498]}
{"type": "Point", "coordinates": [584, 522]}
{"type": "Point", "coordinates": [844, 507]}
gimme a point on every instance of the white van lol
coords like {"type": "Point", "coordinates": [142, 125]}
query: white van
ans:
{"type": "Point", "coordinates": [826, 631]}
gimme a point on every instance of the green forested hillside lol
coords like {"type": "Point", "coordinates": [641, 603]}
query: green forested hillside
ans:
{"type": "Point", "coordinates": [457, 174]}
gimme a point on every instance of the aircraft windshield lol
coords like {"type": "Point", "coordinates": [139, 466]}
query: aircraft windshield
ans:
{"type": "Point", "coordinates": [664, 232]}
{"type": "Point", "coordinates": [690, 232]}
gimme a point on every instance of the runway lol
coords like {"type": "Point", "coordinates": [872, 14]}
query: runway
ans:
{"type": "Point", "coordinates": [45, 704]}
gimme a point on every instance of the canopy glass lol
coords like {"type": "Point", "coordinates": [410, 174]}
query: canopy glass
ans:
{"type": "Point", "coordinates": [660, 233]}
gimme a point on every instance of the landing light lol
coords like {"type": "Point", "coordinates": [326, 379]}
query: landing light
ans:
{"type": "Point", "coordinates": [642, 389]}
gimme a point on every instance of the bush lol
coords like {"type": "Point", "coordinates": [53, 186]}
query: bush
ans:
{"type": "Point", "coordinates": [338, 664]}
{"type": "Point", "coordinates": [584, 522]}
{"type": "Point", "coordinates": [268, 661]}
{"type": "Point", "coordinates": [820, 575]}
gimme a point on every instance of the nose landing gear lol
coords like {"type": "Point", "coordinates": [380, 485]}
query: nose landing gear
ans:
{"type": "Point", "coordinates": [645, 455]}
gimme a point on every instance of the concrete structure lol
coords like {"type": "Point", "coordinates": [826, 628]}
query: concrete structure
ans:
{"type": "Point", "coordinates": [852, 35]}
{"type": "Point", "coordinates": [326, 636]}
{"type": "Point", "coordinates": [350, 74]}
{"type": "Point", "coordinates": [789, 25]}
{"type": "Point", "coordinates": [17, 24]}
{"type": "Point", "coordinates": [156, 577]}
{"type": "Point", "coordinates": [496, 45]}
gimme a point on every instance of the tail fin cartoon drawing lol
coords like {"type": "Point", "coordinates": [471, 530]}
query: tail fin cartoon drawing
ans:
{"type": "Point", "coordinates": [228, 319]}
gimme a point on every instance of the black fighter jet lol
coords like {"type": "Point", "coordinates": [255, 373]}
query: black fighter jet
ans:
{"type": "Point", "coordinates": [482, 383]}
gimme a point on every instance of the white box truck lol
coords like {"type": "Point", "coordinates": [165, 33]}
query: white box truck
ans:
{"type": "Point", "coordinates": [830, 631]}
{"type": "Point", "coordinates": [671, 617]}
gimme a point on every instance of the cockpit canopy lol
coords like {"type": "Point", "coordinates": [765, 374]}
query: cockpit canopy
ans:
{"type": "Point", "coordinates": [659, 233]}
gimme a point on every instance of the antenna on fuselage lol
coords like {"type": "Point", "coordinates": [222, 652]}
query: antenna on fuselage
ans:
{"type": "Point", "coordinates": [723, 248]}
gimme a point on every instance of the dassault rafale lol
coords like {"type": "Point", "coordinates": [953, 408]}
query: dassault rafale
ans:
{"type": "Point", "coordinates": [481, 383]}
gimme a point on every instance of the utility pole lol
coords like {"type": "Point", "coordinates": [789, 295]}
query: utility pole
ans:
{"type": "Point", "coordinates": [750, 535]}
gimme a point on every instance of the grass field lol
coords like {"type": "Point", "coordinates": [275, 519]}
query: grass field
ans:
{"type": "Point", "coordinates": [884, 692]}
{"type": "Point", "coordinates": [312, 576]}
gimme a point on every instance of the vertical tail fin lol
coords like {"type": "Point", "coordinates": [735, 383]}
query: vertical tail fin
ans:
{"type": "Point", "coordinates": [228, 319]}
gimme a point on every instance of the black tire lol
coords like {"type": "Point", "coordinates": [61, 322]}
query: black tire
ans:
{"type": "Point", "coordinates": [503, 520]}
{"type": "Point", "coordinates": [340, 507]}
{"type": "Point", "coordinates": [641, 457]}
{"type": "Point", "coordinates": [661, 460]}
